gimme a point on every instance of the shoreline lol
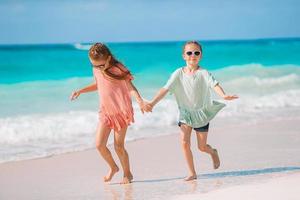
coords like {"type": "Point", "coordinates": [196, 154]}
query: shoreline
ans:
{"type": "Point", "coordinates": [218, 125]}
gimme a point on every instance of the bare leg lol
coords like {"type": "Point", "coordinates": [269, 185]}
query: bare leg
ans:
{"type": "Point", "coordinates": [204, 147]}
{"type": "Point", "coordinates": [186, 147]}
{"type": "Point", "coordinates": [119, 140]}
{"type": "Point", "coordinates": [102, 135]}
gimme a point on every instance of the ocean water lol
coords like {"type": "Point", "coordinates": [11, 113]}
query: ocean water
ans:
{"type": "Point", "coordinates": [37, 119]}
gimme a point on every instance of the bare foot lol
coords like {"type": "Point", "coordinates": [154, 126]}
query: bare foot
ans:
{"type": "Point", "coordinates": [110, 174]}
{"type": "Point", "coordinates": [130, 176]}
{"type": "Point", "coordinates": [215, 158]}
{"type": "Point", "coordinates": [192, 177]}
{"type": "Point", "coordinates": [127, 179]}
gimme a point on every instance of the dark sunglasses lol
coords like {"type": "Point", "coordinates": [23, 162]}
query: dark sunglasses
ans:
{"type": "Point", "coordinates": [196, 53]}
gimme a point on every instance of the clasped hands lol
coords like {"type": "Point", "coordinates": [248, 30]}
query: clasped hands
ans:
{"type": "Point", "coordinates": [145, 106]}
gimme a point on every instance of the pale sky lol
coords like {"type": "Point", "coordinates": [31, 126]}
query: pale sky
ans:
{"type": "Point", "coordinates": [69, 21]}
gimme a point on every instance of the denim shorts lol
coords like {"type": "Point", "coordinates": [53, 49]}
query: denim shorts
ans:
{"type": "Point", "coordinates": [200, 129]}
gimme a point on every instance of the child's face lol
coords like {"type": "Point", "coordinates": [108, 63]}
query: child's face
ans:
{"type": "Point", "coordinates": [192, 54]}
{"type": "Point", "coordinates": [98, 63]}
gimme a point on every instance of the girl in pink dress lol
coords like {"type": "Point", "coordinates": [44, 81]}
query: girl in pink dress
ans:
{"type": "Point", "coordinates": [113, 82]}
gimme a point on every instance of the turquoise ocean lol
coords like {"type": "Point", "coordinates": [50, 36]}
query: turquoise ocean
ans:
{"type": "Point", "coordinates": [37, 119]}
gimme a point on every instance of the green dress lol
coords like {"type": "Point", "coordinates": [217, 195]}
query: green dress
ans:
{"type": "Point", "coordinates": [192, 93]}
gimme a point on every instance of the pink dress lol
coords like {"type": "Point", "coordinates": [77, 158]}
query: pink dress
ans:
{"type": "Point", "coordinates": [115, 110]}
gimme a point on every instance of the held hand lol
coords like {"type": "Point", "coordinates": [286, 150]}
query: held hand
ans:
{"type": "Point", "coordinates": [230, 97]}
{"type": "Point", "coordinates": [148, 106]}
{"type": "Point", "coordinates": [144, 106]}
{"type": "Point", "coordinates": [141, 105]}
{"type": "Point", "coordinates": [74, 95]}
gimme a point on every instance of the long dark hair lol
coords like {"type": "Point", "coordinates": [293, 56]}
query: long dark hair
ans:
{"type": "Point", "coordinates": [100, 51]}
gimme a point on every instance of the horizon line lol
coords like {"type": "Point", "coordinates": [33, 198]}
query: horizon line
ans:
{"type": "Point", "coordinates": [156, 41]}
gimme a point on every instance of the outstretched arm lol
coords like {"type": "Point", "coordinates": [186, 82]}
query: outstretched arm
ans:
{"type": "Point", "coordinates": [219, 90]}
{"type": "Point", "coordinates": [89, 88]}
{"type": "Point", "coordinates": [161, 93]}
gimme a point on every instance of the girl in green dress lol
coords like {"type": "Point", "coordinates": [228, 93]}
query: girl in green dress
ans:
{"type": "Point", "coordinates": [191, 86]}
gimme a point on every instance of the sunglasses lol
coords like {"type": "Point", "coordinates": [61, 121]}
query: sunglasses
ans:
{"type": "Point", "coordinates": [196, 53]}
{"type": "Point", "coordinates": [98, 66]}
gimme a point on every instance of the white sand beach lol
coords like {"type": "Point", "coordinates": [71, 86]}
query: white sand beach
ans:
{"type": "Point", "coordinates": [256, 160]}
{"type": "Point", "coordinates": [275, 189]}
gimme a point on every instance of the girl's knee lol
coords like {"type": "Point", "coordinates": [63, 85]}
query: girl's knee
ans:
{"type": "Point", "coordinates": [100, 147]}
{"type": "Point", "coordinates": [203, 148]}
{"type": "Point", "coordinates": [119, 147]}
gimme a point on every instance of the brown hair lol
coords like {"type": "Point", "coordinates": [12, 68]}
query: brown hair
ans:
{"type": "Point", "coordinates": [192, 42]}
{"type": "Point", "coordinates": [99, 51]}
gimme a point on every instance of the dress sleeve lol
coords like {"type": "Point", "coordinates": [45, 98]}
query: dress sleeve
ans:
{"type": "Point", "coordinates": [211, 81]}
{"type": "Point", "coordinates": [172, 82]}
